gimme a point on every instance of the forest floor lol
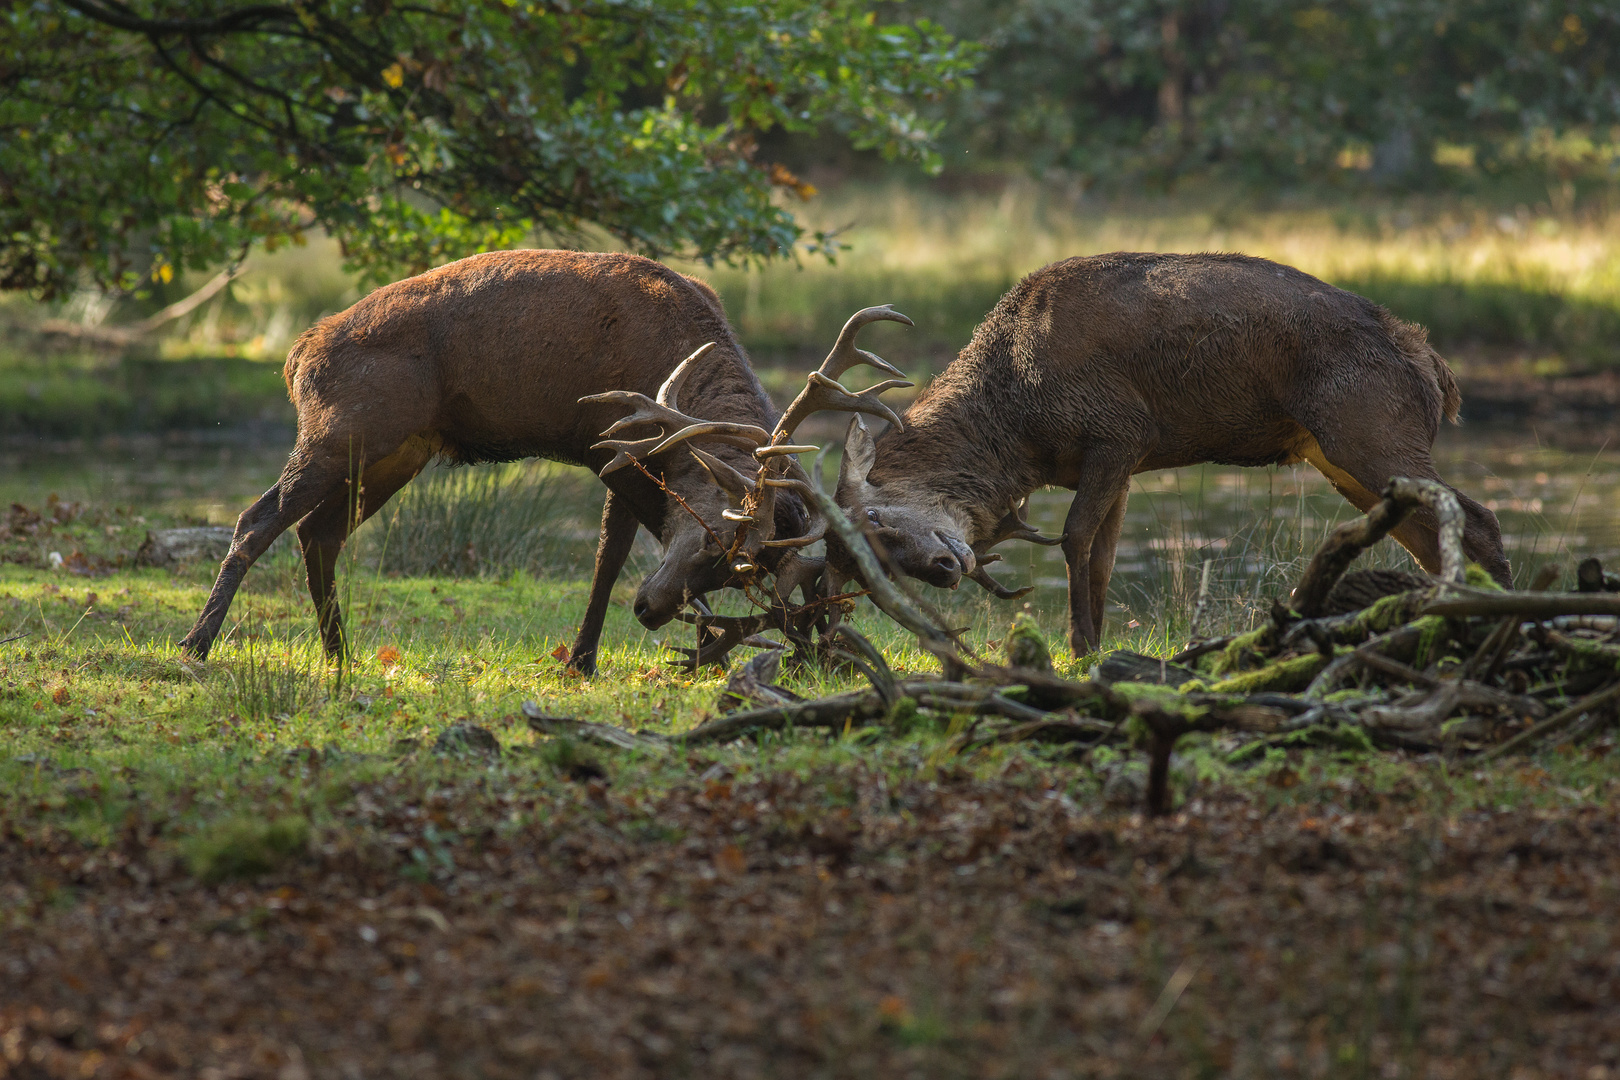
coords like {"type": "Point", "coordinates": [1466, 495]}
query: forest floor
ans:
{"type": "Point", "coordinates": [267, 867]}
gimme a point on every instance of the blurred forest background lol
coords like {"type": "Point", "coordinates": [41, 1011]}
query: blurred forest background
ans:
{"type": "Point", "coordinates": [1457, 160]}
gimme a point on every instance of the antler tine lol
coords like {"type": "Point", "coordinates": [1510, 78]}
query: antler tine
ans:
{"type": "Point", "coordinates": [845, 355]}
{"type": "Point", "coordinates": [822, 390]}
{"type": "Point", "coordinates": [818, 524]}
{"type": "Point", "coordinates": [981, 576]}
{"type": "Point", "coordinates": [1014, 526]}
{"type": "Point", "coordinates": [677, 378]}
{"type": "Point", "coordinates": [732, 482]}
{"type": "Point", "coordinates": [648, 411]}
{"type": "Point", "coordinates": [747, 436]}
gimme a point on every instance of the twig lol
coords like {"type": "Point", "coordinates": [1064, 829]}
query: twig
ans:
{"type": "Point", "coordinates": [889, 597]}
{"type": "Point", "coordinates": [1394, 667]}
{"type": "Point", "coordinates": [1553, 723]}
{"type": "Point", "coordinates": [127, 335]}
{"type": "Point", "coordinates": [13, 637]}
{"type": "Point", "coordinates": [824, 712]}
{"type": "Point", "coordinates": [605, 734]}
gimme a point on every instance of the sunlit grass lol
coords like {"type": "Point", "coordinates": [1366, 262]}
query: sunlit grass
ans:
{"type": "Point", "coordinates": [1525, 278]}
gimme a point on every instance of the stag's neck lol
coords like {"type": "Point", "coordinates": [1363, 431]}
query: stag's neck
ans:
{"type": "Point", "coordinates": [965, 442]}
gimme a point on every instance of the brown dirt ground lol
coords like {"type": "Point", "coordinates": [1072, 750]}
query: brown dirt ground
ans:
{"type": "Point", "coordinates": [843, 924]}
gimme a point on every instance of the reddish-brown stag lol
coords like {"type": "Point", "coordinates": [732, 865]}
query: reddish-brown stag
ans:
{"type": "Point", "coordinates": [1094, 369]}
{"type": "Point", "coordinates": [485, 360]}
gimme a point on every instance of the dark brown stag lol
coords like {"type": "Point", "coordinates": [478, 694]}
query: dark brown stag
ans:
{"type": "Point", "coordinates": [1094, 369]}
{"type": "Point", "coordinates": [484, 360]}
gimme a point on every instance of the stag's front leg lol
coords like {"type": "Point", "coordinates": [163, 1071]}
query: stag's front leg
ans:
{"type": "Point", "coordinates": [1090, 534]}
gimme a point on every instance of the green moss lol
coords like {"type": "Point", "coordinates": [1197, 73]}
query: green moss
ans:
{"type": "Point", "coordinates": [1025, 646]}
{"type": "Point", "coordinates": [1166, 697]}
{"type": "Point", "coordinates": [1587, 655]}
{"type": "Point", "coordinates": [1476, 575]}
{"type": "Point", "coordinates": [1389, 612]}
{"type": "Point", "coordinates": [1433, 632]}
{"type": "Point", "coordinates": [1240, 652]}
{"type": "Point", "coordinates": [903, 716]}
{"type": "Point", "coordinates": [1287, 676]}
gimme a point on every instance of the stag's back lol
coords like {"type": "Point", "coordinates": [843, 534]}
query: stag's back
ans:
{"type": "Point", "coordinates": [490, 354]}
{"type": "Point", "coordinates": [1225, 357]}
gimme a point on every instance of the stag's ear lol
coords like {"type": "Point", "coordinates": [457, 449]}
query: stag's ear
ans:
{"type": "Point", "coordinates": [860, 451]}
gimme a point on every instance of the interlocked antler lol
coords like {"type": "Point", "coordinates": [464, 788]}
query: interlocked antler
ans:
{"type": "Point", "coordinates": [1014, 526]}
{"type": "Point", "coordinates": [753, 498]}
{"type": "Point", "coordinates": [756, 500]}
{"type": "Point", "coordinates": [665, 412]}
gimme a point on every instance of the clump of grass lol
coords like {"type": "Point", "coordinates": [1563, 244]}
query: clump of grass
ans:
{"type": "Point", "coordinates": [568, 759]}
{"type": "Point", "coordinates": [246, 846]}
{"type": "Point", "coordinates": [473, 522]}
{"type": "Point", "coordinates": [264, 686]}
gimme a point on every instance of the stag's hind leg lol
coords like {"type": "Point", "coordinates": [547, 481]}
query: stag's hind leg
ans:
{"type": "Point", "coordinates": [1090, 533]}
{"type": "Point", "coordinates": [324, 531]}
{"type": "Point", "coordinates": [304, 482]}
{"type": "Point", "coordinates": [1360, 471]}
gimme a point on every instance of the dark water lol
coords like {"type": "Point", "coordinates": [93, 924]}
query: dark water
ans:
{"type": "Point", "coordinates": [1256, 527]}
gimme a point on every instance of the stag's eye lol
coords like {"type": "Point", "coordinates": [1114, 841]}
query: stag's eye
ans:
{"type": "Point", "coordinates": [872, 516]}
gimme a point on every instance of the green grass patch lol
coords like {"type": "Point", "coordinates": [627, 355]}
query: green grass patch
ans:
{"type": "Point", "coordinates": [246, 846]}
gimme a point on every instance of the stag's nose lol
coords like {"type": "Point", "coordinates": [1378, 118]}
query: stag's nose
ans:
{"type": "Point", "coordinates": [641, 608]}
{"type": "Point", "coordinates": [945, 567]}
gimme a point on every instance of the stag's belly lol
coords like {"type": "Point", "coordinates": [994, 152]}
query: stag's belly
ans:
{"type": "Point", "coordinates": [473, 434]}
{"type": "Point", "coordinates": [1254, 442]}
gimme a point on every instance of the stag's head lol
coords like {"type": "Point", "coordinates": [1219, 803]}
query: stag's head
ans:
{"type": "Point", "coordinates": [920, 529]}
{"type": "Point", "coordinates": [734, 523]}
{"type": "Point", "coordinates": [703, 551]}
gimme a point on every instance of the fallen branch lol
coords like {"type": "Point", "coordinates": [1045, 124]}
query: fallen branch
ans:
{"type": "Point", "coordinates": [1526, 606]}
{"type": "Point", "coordinates": [1348, 541]}
{"type": "Point", "coordinates": [616, 738]}
{"type": "Point", "coordinates": [123, 336]}
{"type": "Point", "coordinates": [1553, 724]}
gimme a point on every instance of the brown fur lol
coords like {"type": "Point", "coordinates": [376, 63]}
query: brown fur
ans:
{"type": "Point", "coordinates": [484, 360]}
{"type": "Point", "coordinates": [1093, 369]}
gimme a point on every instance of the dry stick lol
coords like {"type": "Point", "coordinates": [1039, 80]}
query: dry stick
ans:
{"type": "Point", "coordinates": [825, 712]}
{"type": "Point", "coordinates": [1349, 540]}
{"type": "Point", "coordinates": [888, 596]}
{"type": "Point", "coordinates": [1394, 667]}
{"type": "Point", "coordinates": [1203, 601]}
{"type": "Point", "coordinates": [1553, 723]}
{"type": "Point", "coordinates": [127, 335]}
{"type": "Point", "coordinates": [1496, 647]}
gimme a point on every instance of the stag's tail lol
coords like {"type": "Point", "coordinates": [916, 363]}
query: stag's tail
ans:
{"type": "Point", "coordinates": [1414, 344]}
{"type": "Point", "coordinates": [1450, 396]}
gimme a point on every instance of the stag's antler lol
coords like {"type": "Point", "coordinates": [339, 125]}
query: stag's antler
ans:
{"type": "Point", "coordinates": [665, 412]}
{"type": "Point", "coordinates": [753, 498]}
{"type": "Point", "coordinates": [1014, 526]}
{"type": "Point", "coordinates": [981, 576]}
{"type": "Point", "coordinates": [823, 390]}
